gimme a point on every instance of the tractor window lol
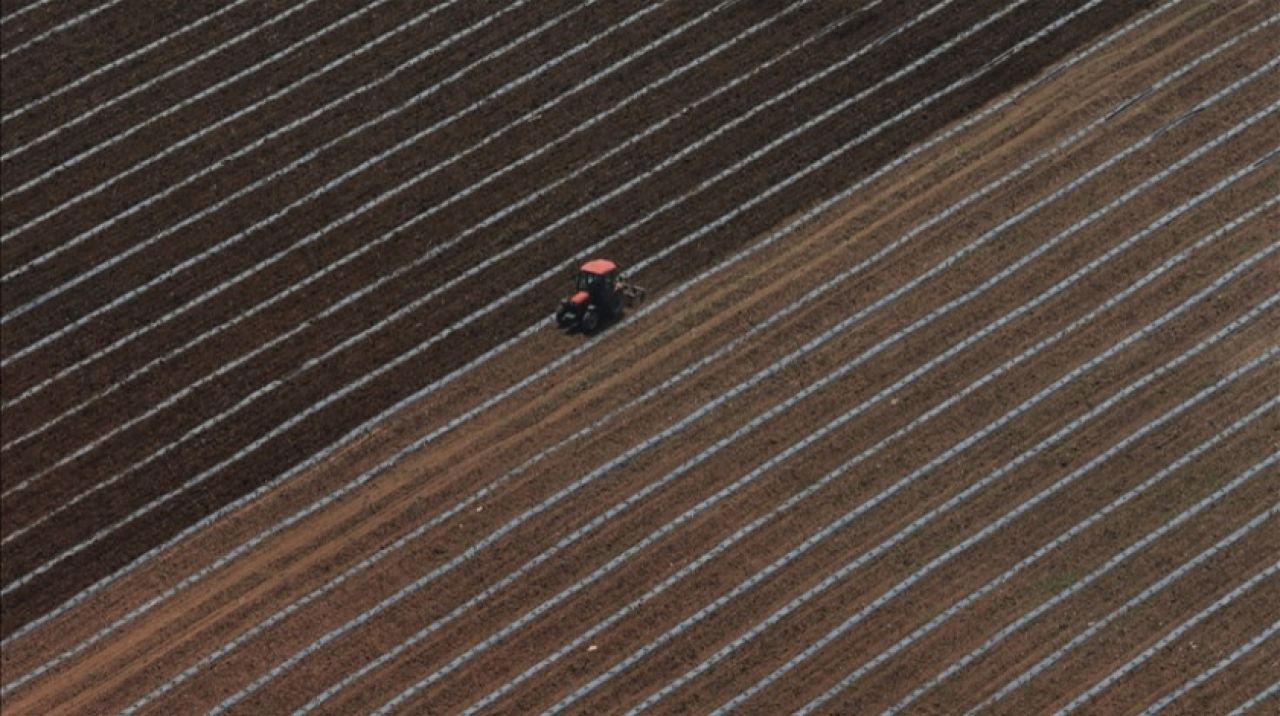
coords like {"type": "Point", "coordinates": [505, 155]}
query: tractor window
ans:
{"type": "Point", "coordinates": [590, 281]}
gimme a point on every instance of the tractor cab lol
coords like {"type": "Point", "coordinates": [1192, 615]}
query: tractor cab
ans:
{"type": "Point", "coordinates": [599, 295]}
{"type": "Point", "coordinates": [598, 278]}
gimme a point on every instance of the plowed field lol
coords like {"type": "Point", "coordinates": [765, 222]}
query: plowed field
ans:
{"type": "Point", "coordinates": [955, 388]}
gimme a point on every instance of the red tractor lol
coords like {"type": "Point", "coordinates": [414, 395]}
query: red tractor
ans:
{"type": "Point", "coordinates": [600, 296]}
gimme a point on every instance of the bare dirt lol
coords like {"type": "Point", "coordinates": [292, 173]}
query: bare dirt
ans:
{"type": "Point", "coordinates": [163, 638]}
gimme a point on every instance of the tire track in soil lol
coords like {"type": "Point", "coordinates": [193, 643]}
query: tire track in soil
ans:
{"type": "Point", "coordinates": [297, 310]}
{"type": "Point", "coordinates": [765, 495]}
{"type": "Point", "coordinates": [213, 500]}
{"type": "Point", "coordinates": [485, 570]}
{"type": "Point", "coordinates": [766, 598]}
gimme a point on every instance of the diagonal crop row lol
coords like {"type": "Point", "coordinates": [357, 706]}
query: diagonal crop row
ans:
{"type": "Point", "coordinates": [794, 500]}
{"type": "Point", "coordinates": [1007, 631]}
{"type": "Point", "coordinates": [1095, 627]}
{"type": "Point", "coordinates": [1185, 626]}
{"type": "Point", "coordinates": [117, 63]}
{"type": "Point", "coordinates": [915, 526]}
{"type": "Point", "coordinates": [1199, 679]}
{"type": "Point", "coordinates": [1043, 551]}
{"type": "Point", "coordinates": [292, 608]}
{"type": "Point", "coordinates": [349, 299]}
{"type": "Point", "coordinates": [56, 29]}
{"type": "Point", "coordinates": [693, 368]}
{"type": "Point", "coordinates": [626, 456]}
{"type": "Point", "coordinates": [1152, 590]}
{"type": "Point", "coordinates": [1270, 693]}
{"type": "Point", "coordinates": [787, 230]}
{"type": "Point", "coordinates": [510, 295]}
{"type": "Point", "coordinates": [141, 87]}
{"type": "Point", "coordinates": [424, 258]}
{"type": "Point", "coordinates": [286, 52]}
{"type": "Point", "coordinates": [306, 158]}
{"type": "Point", "coordinates": [366, 248]}
{"type": "Point", "coordinates": [419, 585]}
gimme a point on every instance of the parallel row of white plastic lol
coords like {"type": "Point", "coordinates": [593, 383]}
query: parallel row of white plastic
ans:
{"type": "Point", "coordinates": [435, 250]}
{"type": "Point", "coordinates": [56, 29]}
{"type": "Point", "coordinates": [1200, 679]}
{"type": "Point", "coordinates": [526, 242]}
{"type": "Point", "coordinates": [419, 585]}
{"type": "Point", "coordinates": [700, 508]}
{"type": "Point", "coordinates": [438, 573]}
{"type": "Point", "coordinates": [1177, 632]}
{"type": "Point", "coordinates": [1152, 590]}
{"type": "Point", "coordinates": [916, 475]}
{"type": "Point", "coordinates": [351, 298]}
{"type": "Point", "coordinates": [808, 491]}
{"type": "Point", "coordinates": [547, 504]}
{"type": "Point", "coordinates": [348, 300]}
{"type": "Point", "coordinates": [277, 340]}
{"type": "Point", "coordinates": [573, 355]}
{"type": "Point", "coordinates": [208, 424]}
{"type": "Point", "coordinates": [312, 195]}
{"type": "Point", "coordinates": [270, 387]}
{"type": "Point", "coordinates": [1270, 693]}
{"type": "Point", "coordinates": [417, 533]}
{"type": "Point", "coordinates": [488, 308]}
{"type": "Point", "coordinates": [137, 89]}
{"type": "Point", "coordinates": [291, 50]}
{"type": "Point", "coordinates": [1008, 630]}
{"type": "Point", "coordinates": [118, 62]}
{"type": "Point", "coordinates": [489, 403]}
{"type": "Point", "coordinates": [24, 10]}
{"type": "Point", "coordinates": [1003, 578]}
{"type": "Point", "coordinates": [909, 379]}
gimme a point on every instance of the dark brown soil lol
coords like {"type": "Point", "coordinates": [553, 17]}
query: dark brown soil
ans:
{"type": "Point", "coordinates": [164, 637]}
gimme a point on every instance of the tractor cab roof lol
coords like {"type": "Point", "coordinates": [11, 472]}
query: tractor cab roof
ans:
{"type": "Point", "coordinates": [599, 267]}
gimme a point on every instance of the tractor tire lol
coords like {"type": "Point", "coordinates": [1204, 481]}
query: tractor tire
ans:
{"type": "Point", "coordinates": [590, 321]}
{"type": "Point", "coordinates": [564, 317]}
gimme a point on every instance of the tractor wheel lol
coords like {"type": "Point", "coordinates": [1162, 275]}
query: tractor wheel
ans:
{"type": "Point", "coordinates": [563, 316]}
{"type": "Point", "coordinates": [590, 320]}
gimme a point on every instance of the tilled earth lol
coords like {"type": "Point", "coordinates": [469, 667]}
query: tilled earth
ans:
{"type": "Point", "coordinates": [673, 514]}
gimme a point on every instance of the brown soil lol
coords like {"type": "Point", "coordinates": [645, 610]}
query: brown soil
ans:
{"type": "Point", "coordinates": [190, 624]}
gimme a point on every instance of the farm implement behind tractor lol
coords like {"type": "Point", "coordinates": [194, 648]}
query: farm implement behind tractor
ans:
{"type": "Point", "coordinates": [600, 297]}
